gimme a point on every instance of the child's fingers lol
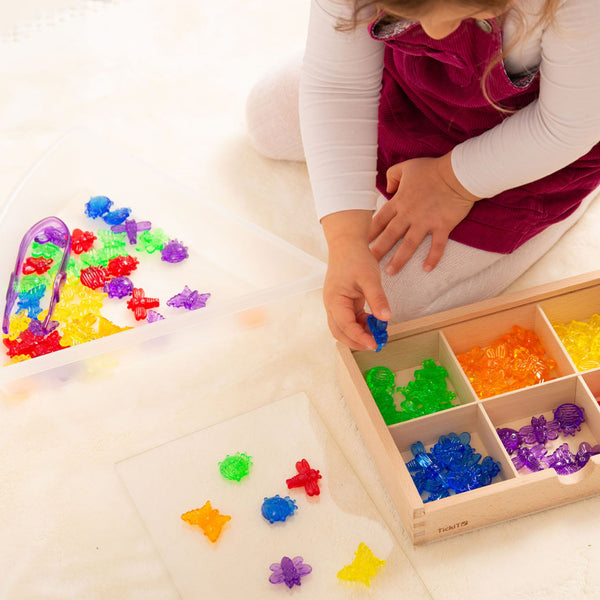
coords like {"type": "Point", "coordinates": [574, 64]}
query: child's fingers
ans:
{"type": "Point", "coordinates": [393, 176]}
{"type": "Point", "coordinates": [377, 301]}
{"type": "Point", "coordinates": [410, 242]}
{"type": "Point", "coordinates": [339, 335]}
{"type": "Point", "coordinates": [380, 220]}
{"type": "Point", "coordinates": [352, 334]}
{"type": "Point", "coordinates": [344, 326]}
{"type": "Point", "coordinates": [388, 238]}
{"type": "Point", "coordinates": [438, 245]}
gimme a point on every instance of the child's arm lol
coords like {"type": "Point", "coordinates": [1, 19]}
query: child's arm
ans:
{"type": "Point", "coordinates": [339, 99]}
{"type": "Point", "coordinates": [558, 128]}
{"type": "Point", "coordinates": [353, 277]}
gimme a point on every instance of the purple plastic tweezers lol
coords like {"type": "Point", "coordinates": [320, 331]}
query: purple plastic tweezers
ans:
{"type": "Point", "coordinates": [13, 284]}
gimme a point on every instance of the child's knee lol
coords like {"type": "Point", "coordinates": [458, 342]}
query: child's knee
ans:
{"type": "Point", "coordinates": [272, 116]}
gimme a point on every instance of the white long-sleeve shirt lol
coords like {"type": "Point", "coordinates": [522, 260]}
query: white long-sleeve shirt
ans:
{"type": "Point", "coordinates": [339, 98]}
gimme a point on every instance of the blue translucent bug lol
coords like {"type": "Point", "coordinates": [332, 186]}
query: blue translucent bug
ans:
{"type": "Point", "coordinates": [277, 508]}
{"type": "Point", "coordinates": [379, 330]}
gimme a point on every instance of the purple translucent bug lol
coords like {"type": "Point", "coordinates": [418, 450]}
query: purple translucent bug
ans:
{"type": "Point", "coordinates": [38, 329]}
{"type": "Point", "coordinates": [585, 452]}
{"type": "Point", "coordinates": [192, 300]}
{"type": "Point", "coordinates": [154, 316]}
{"type": "Point", "coordinates": [119, 287]}
{"type": "Point", "coordinates": [570, 417]}
{"type": "Point", "coordinates": [289, 571]}
{"type": "Point", "coordinates": [131, 227]}
{"type": "Point", "coordinates": [510, 438]}
{"type": "Point", "coordinates": [530, 458]}
{"type": "Point", "coordinates": [563, 461]}
{"type": "Point", "coordinates": [174, 252]}
{"type": "Point", "coordinates": [52, 235]}
{"type": "Point", "coordinates": [540, 431]}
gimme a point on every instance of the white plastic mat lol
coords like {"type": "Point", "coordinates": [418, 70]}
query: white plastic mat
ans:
{"type": "Point", "coordinates": [325, 530]}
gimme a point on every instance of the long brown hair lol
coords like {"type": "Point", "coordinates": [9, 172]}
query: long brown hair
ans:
{"type": "Point", "coordinates": [389, 11]}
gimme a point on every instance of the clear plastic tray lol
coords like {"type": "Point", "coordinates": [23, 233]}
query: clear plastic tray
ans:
{"type": "Point", "coordinates": [241, 265]}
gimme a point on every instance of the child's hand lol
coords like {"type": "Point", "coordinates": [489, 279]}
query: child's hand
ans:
{"type": "Point", "coordinates": [428, 199]}
{"type": "Point", "coordinates": [353, 276]}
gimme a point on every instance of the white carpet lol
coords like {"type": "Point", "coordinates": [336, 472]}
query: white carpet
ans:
{"type": "Point", "coordinates": [168, 81]}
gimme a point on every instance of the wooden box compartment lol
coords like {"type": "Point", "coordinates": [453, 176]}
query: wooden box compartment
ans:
{"type": "Point", "coordinates": [404, 359]}
{"type": "Point", "coordinates": [441, 337]}
{"type": "Point", "coordinates": [579, 306]}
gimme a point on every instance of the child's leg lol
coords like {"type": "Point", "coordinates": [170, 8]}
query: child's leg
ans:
{"type": "Point", "coordinates": [272, 115]}
{"type": "Point", "coordinates": [465, 274]}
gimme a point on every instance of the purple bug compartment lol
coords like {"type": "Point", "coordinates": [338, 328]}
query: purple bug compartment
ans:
{"type": "Point", "coordinates": [554, 435]}
{"type": "Point", "coordinates": [213, 272]}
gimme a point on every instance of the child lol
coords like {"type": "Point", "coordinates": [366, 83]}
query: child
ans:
{"type": "Point", "coordinates": [476, 119]}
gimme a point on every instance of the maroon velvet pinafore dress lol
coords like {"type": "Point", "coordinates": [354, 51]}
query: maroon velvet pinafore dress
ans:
{"type": "Point", "coordinates": [432, 100]}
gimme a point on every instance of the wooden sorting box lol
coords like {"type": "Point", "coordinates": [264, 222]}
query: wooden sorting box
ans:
{"type": "Point", "coordinates": [444, 335]}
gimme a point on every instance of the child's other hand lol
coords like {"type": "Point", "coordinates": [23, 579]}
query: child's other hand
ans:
{"type": "Point", "coordinates": [353, 277]}
{"type": "Point", "coordinates": [428, 199]}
